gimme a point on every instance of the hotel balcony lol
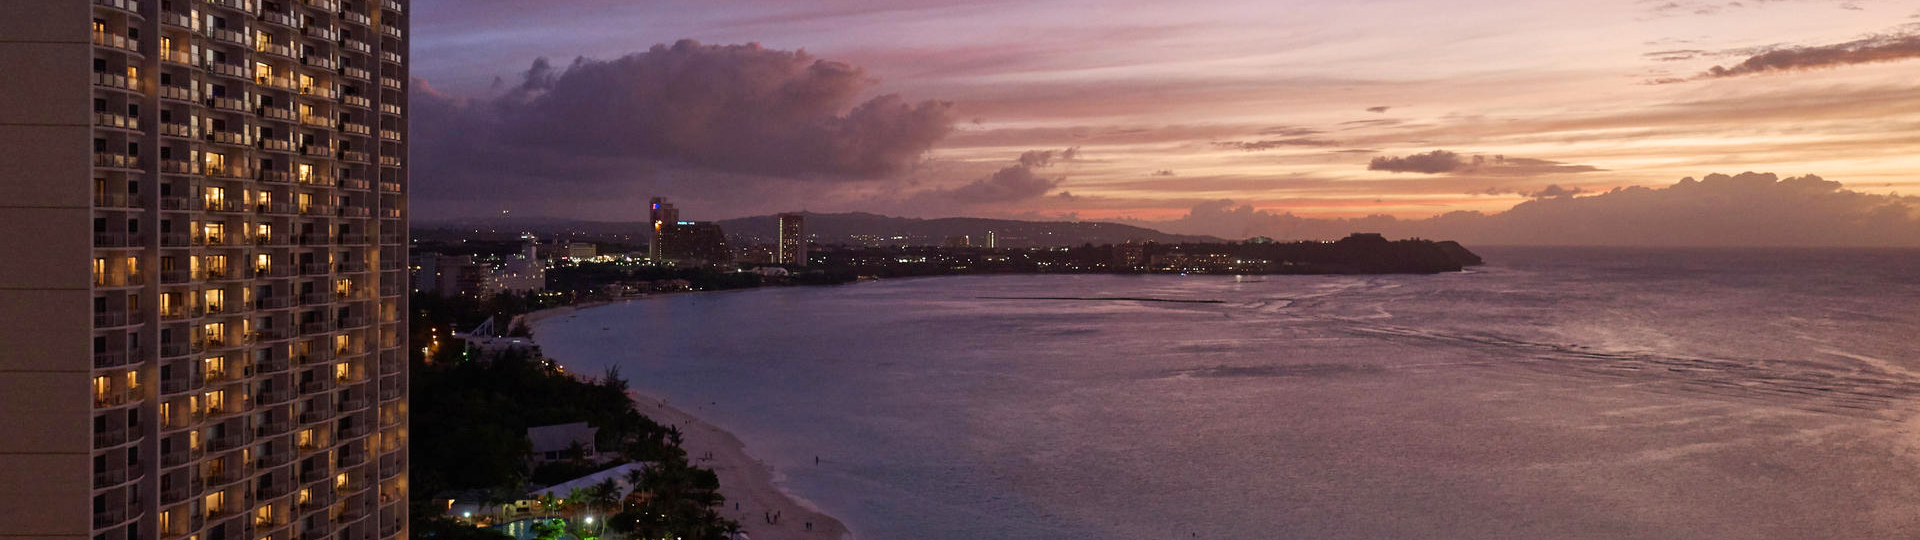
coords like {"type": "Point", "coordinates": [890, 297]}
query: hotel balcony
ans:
{"type": "Point", "coordinates": [241, 5]}
{"type": "Point", "coordinates": [355, 183]}
{"type": "Point", "coordinates": [273, 397]}
{"type": "Point", "coordinates": [175, 240]}
{"type": "Point", "coordinates": [352, 432]}
{"type": "Point", "coordinates": [283, 83]}
{"type": "Point", "coordinates": [390, 161]}
{"type": "Point", "coordinates": [109, 319]}
{"type": "Point", "coordinates": [356, 101]}
{"type": "Point", "coordinates": [231, 70]}
{"type": "Point", "coordinates": [109, 438]}
{"type": "Point", "coordinates": [324, 33]}
{"type": "Point", "coordinates": [129, 6]}
{"type": "Point", "coordinates": [115, 41]}
{"type": "Point", "coordinates": [181, 457]}
{"type": "Point", "coordinates": [182, 58]}
{"type": "Point", "coordinates": [109, 478]}
{"type": "Point", "coordinates": [315, 416]}
{"type": "Point", "coordinates": [356, 17]}
{"type": "Point", "coordinates": [181, 491]}
{"type": "Point", "coordinates": [320, 62]}
{"type": "Point", "coordinates": [392, 31]}
{"type": "Point", "coordinates": [390, 57]}
{"type": "Point", "coordinates": [322, 92]}
{"type": "Point", "coordinates": [234, 138]}
{"type": "Point", "coordinates": [316, 327]}
{"type": "Point", "coordinates": [109, 239]}
{"type": "Point", "coordinates": [284, 19]}
{"type": "Point", "coordinates": [325, 5]}
{"type": "Point", "coordinates": [175, 349]}
{"type": "Point", "coordinates": [108, 359]}
{"type": "Point", "coordinates": [390, 134]}
{"type": "Point", "coordinates": [229, 35]}
{"type": "Point", "coordinates": [392, 6]}
{"type": "Point", "coordinates": [285, 114]}
{"type": "Point", "coordinates": [356, 46]}
{"type": "Point", "coordinates": [352, 404]}
{"type": "Point", "coordinates": [112, 515]}
{"type": "Point", "coordinates": [276, 459]}
{"type": "Point", "coordinates": [115, 160]}
{"type": "Point", "coordinates": [356, 73]}
{"type": "Point", "coordinates": [391, 108]}
{"type": "Point", "coordinates": [349, 127]}
{"type": "Point", "coordinates": [112, 80]}
{"type": "Point", "coordinates": [116, 121]}
{"type": "Point", "coordinates": [180, 93]}
{"type": "Point", "coordinates": [234, 439]}
{"type": "Point", "coordinates": [190, 21]}
{"type": "Point", "coordinates": [392, 83]}
{"type": "Point", "coordinates": [178, 130]}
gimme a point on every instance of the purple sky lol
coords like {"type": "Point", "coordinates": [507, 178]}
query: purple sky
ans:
{"type": "Point", "coordinates": [1155, 112]}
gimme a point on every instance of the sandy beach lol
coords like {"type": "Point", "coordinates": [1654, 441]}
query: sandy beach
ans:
{"type": "Point", "coordinates": [743, 479]}
{"type": "Point", "coordinates": [746, 482]}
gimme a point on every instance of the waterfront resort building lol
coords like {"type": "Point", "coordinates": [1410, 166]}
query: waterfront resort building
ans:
{"type": "Point", "coordinates": [793, 240]}
{"type": "Point", "coordinates": [204, 302]}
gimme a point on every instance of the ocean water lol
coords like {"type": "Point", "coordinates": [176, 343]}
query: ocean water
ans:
{"type": "Point", "coordinates": [1553, 393]}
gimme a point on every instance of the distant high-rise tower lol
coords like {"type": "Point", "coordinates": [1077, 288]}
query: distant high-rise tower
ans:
{"type": "Point", "coordinates": [793, 240]}
{"type": "Point", "coordinates": [993, 240]}
{"type": "Point", "coordinates": [661, 215]}
{"type": "Point", "coordinates": [205, 289]}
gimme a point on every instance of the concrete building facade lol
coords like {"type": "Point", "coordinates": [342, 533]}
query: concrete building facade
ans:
{"type": "Point", "coordinates": [205, 309]}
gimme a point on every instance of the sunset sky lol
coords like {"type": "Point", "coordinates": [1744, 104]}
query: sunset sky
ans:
{"type": "Point", "coordinates": [1147, 110]}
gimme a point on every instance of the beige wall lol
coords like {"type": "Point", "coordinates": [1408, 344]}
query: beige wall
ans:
{"type": "Point", "coordinates": [45, 243]}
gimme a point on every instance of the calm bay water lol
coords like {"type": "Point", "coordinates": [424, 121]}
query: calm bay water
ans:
{"type": "Point", "coordinates": [1554, 393]}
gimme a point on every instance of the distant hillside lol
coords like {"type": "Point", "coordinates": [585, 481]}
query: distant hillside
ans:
{"type": "Point", "coordinates": [864, 228]}
{"type": "Point", "coordinates": [856, 228]}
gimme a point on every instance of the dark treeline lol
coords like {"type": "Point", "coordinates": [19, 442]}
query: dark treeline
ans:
{"type": "Point", "coordinates": [470, 419]}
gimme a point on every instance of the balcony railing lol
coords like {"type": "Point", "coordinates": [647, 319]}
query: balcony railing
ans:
{"type": "Point", "coordinates": [111, 120]}
{"type": "Point", "coordinates": [324, 33]}
{"type": "Point", "coordinates": [356, 73]}
{"type": "Point", "coordinates": [356, 101]}
{"type": "Point", "coordinates": [116, 41]}
{"type": "Point", "coordinates": [356, 18]}
{"type": "Point", "coordinates": [103, 319]}
{"type": "Point", "coordinates": [356, 46]}
{"type": "Point", "coordinates": [230, 70]}
{"type": "Point", "coordinates": [179, 93]}
{"type": "Point", "coordinates": [107, 359]}
{"type": "Point", "coordinates": [320, 62]}
{"type": "Point", "coordinates": [111, 80]}
{"type": "Point", "coordinates": [190, 21]}
{"type": "Point", "coordinates": [123, 5]}
{"type": "Point", "coordinates": [185, 131]}
{"type": "Point", "coordinates": [242, 5]}
{"type": "Point", "coordinates": [114, 160]}
{"type": "Point", "coordinates": [391, 82]}
{"type": "Point", "coordinates": [391, 31]}
{"type": "Point", "coordinates": [113, 515]}
{"type": "Point", "coordinates": [229, 35]}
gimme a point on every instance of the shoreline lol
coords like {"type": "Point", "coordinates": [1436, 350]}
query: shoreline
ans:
{"type": "Point", "coordinates": [745, 481]}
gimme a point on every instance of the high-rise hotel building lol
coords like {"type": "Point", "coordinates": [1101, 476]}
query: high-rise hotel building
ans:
{"type": "Point", "coordinates": [202, 310]}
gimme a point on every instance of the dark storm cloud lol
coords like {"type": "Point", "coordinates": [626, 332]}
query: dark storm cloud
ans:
{"type": "Point", "coordinates": [1888, 48]}
{"type": "Point", "coordinates": [1269, 144]}
{"type": "Point", "coordinates": [1749, 209]}
{"type": "Point", "coordinates": [1018, 182]}
{"type": "Point", "coordinates": [690, 114]}
{"type": "Point", "coordinates": [1442, 161]}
